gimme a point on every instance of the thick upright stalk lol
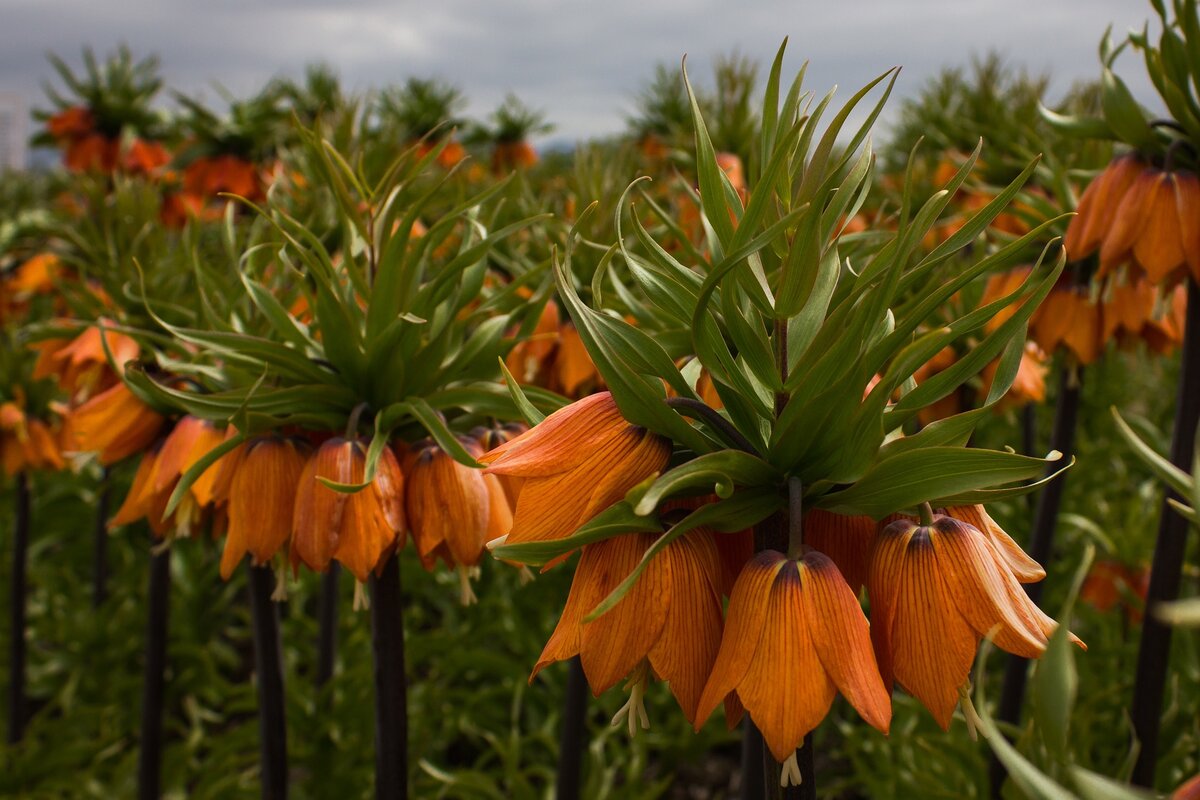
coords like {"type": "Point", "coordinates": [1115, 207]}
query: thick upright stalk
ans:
{"type": "Point", "coordinates": [327, 619]}
{"type": "Point", "coordinates": [1041, 543]}
{"type": "Point", "coordinates": [752, 758]}
{"type": "Point", "coordinates": [100, 542]}
{"type": "Point", "coordinates": [158, 601]}
{"type": "Point", "coordinates": [572, 736]}
{"type": "Point", "coordinates": [268, 666]}
{"type": "Point", "coordinates": [17, 597]}
{"type": "Point", "coordinates": [391, 712]}
{"type": "Point", "coordinates": [1169, 549]}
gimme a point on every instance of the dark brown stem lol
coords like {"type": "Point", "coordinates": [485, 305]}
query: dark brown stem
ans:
{"type": "Point", "coordinates": [100, 542]}
{"type": "Point", "coordinates": [268, 666]}
{"type": "Point", "coordinates": [158, 600]}
{"type": "Point", "coordinates": [697, 409]}
{"type": "Point", "coordinates": [1166, 570]}
{"type": "Point", "coordinates": [327, 618]}
{"type": "Point", "coordinates": [572, 739]}
{"type": "Point", "coordinates": [17, 600]}
{"type": "Point", "coordinates": [391, 702]}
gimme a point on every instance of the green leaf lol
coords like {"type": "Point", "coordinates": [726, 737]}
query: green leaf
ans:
{"type": "Point", "coordinates": [615, 520]}
{"type": "Point", "coordinates": [1031, 781]}
{"type": "Point", "coordinates": [1168, 473]}
{"type": "Point", "coordinates": [531, 415]}
{"type": "Point", "coordinates": [1055, 681]}
{"type": "Point", "coordinates": [717, 472]}
{"type": "Point", "coordinates": [910, 478]}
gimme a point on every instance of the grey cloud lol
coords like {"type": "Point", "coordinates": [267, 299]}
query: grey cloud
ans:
{"type": "Point", "coordinates": [580, 61]}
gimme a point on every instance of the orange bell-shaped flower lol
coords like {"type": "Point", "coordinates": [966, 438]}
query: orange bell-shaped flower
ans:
{"type": "Point", "coordinates": [361, 530]}
{"type": "Point", "coordinates": [671, 617]}
{"type": "Point", "coordinates": [449, 509]}
{"type": "Point", "coordinates": [936, 590]}
{"type": "Point", "coordinates": [795, 636]}
{"type": "Point", "coordinates": [114, 424]}
{"type": "Point", "coordinates": [578, 461]}
{"type": "Point", "coordinates": [1097, 207]}
{"type": "Point", "coordinates": [262, 498]}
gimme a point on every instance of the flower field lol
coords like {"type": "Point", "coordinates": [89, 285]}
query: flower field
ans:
{"type": "Point", "coordinates": [788, 445]}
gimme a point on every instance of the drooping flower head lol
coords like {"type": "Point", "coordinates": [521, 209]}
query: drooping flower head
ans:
{"type": "Point", "coordinates": [449, 508]}
{"type": "Point", "coordinates": [794, 637]}
{"type": "Point", "coordinates": [575, 463]}
{"type": "Point", "coordinates": [670, 618]}
{"type": "Point", "coordinates": [261, 499]}
{"type": "Point", "coordinates": [936, 590]}
{"type": "Point", "coordinates": [360, 529]}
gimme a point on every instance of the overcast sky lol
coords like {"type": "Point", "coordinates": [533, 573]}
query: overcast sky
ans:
{"type": "Point", "coordinates": [579, 60]}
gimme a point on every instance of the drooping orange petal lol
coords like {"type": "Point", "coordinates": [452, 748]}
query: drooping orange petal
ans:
{"type": "Point", "coordinates": [745, 621]}
{"type": "Point", "coordinates": [691, 633]}
{"type": "Point", "coordinates": [262, 499]}
{"type": "Point", "coordinates": [552, 508]}
{"type": "Point", "coordinates": [933, 647]}
{"type": "Point", "coordinates": [1159, 245]}
{"type": "Point", "coordinates": [786, 689]}
{"type": "Point", "coordinates": [613, 644]}
{"type": "Point", "coordinates": [845, 539]}
{"type": "Point", "coordinates": [1098, 206]}
{"type": "Point", "coordinates": [1128, 222]}
{"type": "Point", "coordinates": [1187, 200]}
{"type": "Point", "coordinates": [318, 514]}
{"type": "Point", "coordinates": [447, 503]}
{"type": "Point", "coordinates": [564, 642]}
{"type": "Point", "coordinates": [137, 500]}
{"type": "Point", "coordinates": [977, 586]}
{"type": "Point", "coordinates": [842, 639]}
{"type": "Point", "coordinates": [573, 367]}
{"type": "Point", "coordinates": [1023, 568]}
{"type": "Point", "coordinates": [561, 441]}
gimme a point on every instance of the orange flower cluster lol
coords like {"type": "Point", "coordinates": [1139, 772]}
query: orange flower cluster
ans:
{"type": "Point", "coordinates": [1126, 311]}
{"type": "Point", "coordinates": [26, 442]}
{"type": "Point", "coordinates": [794, 633]}
{"type": "Point", "coordinates": [1140, 217]}
{"type": "Point", "coordinates": [103, 416]}
{"type": "Point", "coordinates": [162, 464]}
{"type": "Point", "coordinates": [85, 149]}
{"type": "Point", "coordinates": [554, 357]}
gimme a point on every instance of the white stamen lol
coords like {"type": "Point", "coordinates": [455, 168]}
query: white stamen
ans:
{"type": "Point", "coordinates": [362, 601]}
{"type": "Point", "coordinates": [466, 595]}
{"type": "Point", "coordinates": [280, 595]}
{"type": "Point", "coordinates": [790, 775]}
{"type": "Point", "coordinates": [494, 543]}
{"type": "Point", "coordinates": [634, 711]}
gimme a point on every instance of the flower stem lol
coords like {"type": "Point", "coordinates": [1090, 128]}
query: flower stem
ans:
{"type": "Point", "coordinates": [1041, 541]}
{"type": "Point", "coordinates": [158, 599]}
{"type": "Point", "coordinates": [17, 598]}
{"type": "Point", "coordinates": [752, 757]}
{"type": "Point", "coordinates": [1169, 550]}
{"type": "Point", "coordinates": [572, 736]}
{"type": "Point", "coordinates": [795, 518]}
{"type": "Point", "coordinates": [697, 409]}
{"type": "Point", "coordinates": [926, 512]}
{"type": "Point", "coordinates": [327, 618]}
{"type": "Point", "coordinates": [391, 710]}
{"type": "Point", "coordinates": [268, 666]}
{"type": "Point", "coordinates": [100, 542]}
